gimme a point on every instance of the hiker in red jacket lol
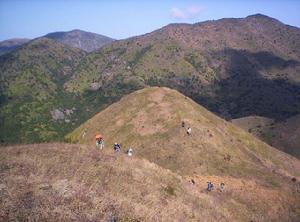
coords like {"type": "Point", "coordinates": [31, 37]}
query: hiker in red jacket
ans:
{"type": "Point", "coordinates": [99, 141]}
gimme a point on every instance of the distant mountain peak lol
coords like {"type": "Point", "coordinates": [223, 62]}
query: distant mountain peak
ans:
{"type": "Point", "coordinates": [262, 17]}
{"type": "Point", "coordinates": [258, 15]}
{"type": "Point", "coordinates": [77, 38]}
{"type": "Point", "coordinates": [77, 30]}
{"type": "Point", "coordinates": [11, 44]}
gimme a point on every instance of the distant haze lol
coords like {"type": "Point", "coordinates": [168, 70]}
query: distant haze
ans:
{"type": "Point", "coordinates": [86, 41]}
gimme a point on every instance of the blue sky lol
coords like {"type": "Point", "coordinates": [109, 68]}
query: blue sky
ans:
{"type": "Point", "coordinates": [122, 19]}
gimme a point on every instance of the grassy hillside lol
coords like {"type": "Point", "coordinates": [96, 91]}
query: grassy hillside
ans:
{"type": "Point", "coordinates": [149, 120]}
{"type": "Point", "coordinates": [234, 67]}
{"type": "Point", "coordinates": [165, 179]}
{"type": "Point", "coordinates": [64, 182]}
{"type": "Point", "coordinates": [256, 125]}
{"type": "Point", "coordinates": [284, 135]}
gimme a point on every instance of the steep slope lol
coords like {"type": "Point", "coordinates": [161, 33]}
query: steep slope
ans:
{"type": "Point", "coordinates": [256, 125]}
{"type": "Point", "coordinates": [64, 182]}
{"type": "Point", "coordinates": [11, 44]}
{"type": "Point", "coordinates": [284, 135]}
{"type": "Point", "coordinates": [31, 86]}
{"type": "Point", "coordinates": [234, 67]}
{"type": "Point", "coordinates": [86, 41]}
{"type": "Point", "coordinates": [149, 121]}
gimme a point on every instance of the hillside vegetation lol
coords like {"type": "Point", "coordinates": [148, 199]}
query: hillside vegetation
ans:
{"type": "Point", "coordinates": [284, 135]}
{"type": "Point", "coordinates": [233, 67]}
{"type": "Point", "coordinates": [31, 86]}
{"type": "Point", "coordinates": [34, 105]}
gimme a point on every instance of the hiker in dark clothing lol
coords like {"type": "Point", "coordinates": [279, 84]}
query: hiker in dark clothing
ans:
{"type": "Point", "coordinates": [117, 147]}
{"type": "Point", "coordinates": [210, 186]}
{"type": "Point", "coordinates": [182, 124]}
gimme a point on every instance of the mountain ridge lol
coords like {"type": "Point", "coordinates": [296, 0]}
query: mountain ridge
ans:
{"type": "Point", "coordinates": [87, 41]}
{"type": "Point", "coordinates": [151, 117]}
{"type": "Point", "coordinates": [213, 56]}
{"type": "Point", "coordinates": [77, 38]}
{"type": "Point", "coordinates": [9, 45]}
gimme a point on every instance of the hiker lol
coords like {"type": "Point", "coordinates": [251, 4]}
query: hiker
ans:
{"type": "Point", "coordinates": [222, 186]}
{"type": "Point", "coordinates": [210, 186]}
{"type": "Point", "coordinates": [99, 141]}
{"type": "Point", "coordinates": [189, 131]}
{"type": "Point", "coordinates": [84, 133]}
{"type": "Point", "coordinates": [129, 152]}
{"type": "Point", "coordinates": [183, 124]}
{"type": "Point", "coordinates": [117, 147]}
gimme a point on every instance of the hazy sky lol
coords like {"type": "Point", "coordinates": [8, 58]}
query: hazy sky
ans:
{"type": "Point", "coordinates": [121, 19]}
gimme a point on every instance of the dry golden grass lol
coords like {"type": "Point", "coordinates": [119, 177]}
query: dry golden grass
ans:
{"type": "Point", "coordinates": [62, 182]}
{"type": "Point", "coordinates": [65, 182]}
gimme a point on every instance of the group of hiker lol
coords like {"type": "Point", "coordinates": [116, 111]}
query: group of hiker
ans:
{"type": "Point", "coordinates": [117, 147]}
{"type": "Point", "coordinates": [210, 186]}
{"type": "Point", "coordinates": [189, 129]}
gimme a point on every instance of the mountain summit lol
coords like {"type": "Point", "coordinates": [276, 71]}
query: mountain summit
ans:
{"type": "Point", "coordinates": [150, 121]}
{"type": "Point", "coordinates": [86, 41]}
